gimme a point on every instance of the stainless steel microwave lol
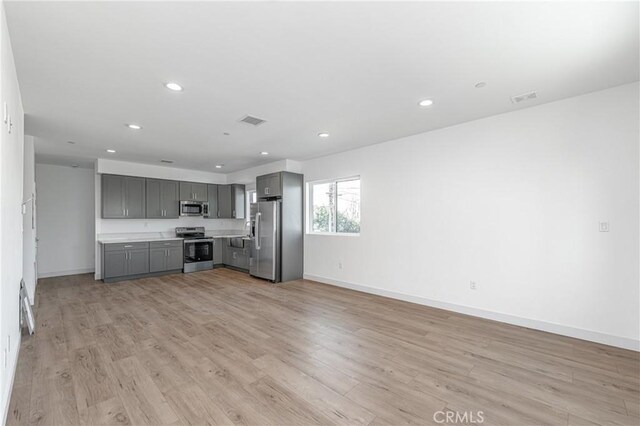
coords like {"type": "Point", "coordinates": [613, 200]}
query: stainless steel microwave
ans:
{"type": "Point", "coordinates": [194, 208]}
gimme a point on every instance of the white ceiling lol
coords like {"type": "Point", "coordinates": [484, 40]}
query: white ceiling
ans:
{"type": "Point", "coordinates": [355, 70]}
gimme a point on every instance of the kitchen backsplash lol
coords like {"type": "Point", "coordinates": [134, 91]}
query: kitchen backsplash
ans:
{"type": "Point", "coordinates": [108, 226]}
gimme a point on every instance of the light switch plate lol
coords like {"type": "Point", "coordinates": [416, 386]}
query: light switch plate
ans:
{"type": "Point", "coordinates": [604, 226]}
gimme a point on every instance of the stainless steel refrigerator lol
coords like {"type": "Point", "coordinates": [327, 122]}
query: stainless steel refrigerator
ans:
{"type": "Point", "coordinates": [265, 225]}
{"type": "Point", "coordinates": [277, 231]}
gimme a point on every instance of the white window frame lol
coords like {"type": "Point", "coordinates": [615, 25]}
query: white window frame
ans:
{"type": "Point", "coordinates": [248, 202]}
{"type": "Point", "coordinates": [309, 206]}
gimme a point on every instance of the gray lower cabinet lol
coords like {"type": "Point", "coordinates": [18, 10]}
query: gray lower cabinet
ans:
{"type": "Point", "coordinates": [120, 260]}
{"type": "Point", "coordinates": [138, 262]}
{"type": "Point", "coordinates": [162, 199]}
{"type": "Point", "coordinates": [218, 251]}
{"type": "Point", "coordinates": [193, 191]}
{"type": "Point", "coordinates": [133, 259]}
{"type": "Point", "coordinates": [114, 264]}
{"type": "Point", "coordinates": [123, 197]}
{"type": "Point", "coordinates": [237, 257]}
{"type": "Point", "coordinates": [166, 256]}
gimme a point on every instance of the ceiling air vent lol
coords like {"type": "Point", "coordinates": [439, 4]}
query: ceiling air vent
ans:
{"type": "Point", "coordinates": [254, 121]}
{"type": "Point", "coordinates": [524, 97]}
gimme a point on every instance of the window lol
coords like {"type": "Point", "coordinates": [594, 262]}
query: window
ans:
{"type": "Point", "coordinates": [252, 197]}
{"type": "Point", "coordinates": [334, 206]}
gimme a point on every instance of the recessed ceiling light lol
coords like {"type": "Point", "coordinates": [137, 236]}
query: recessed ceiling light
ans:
{"type": "Point", "coordinates": [323, 135]}
{"type": "Point", "coordinates": [134, 126]}
{"type": "Point", "coordinates": [264, 153]}
{"type": "Point", "coordinates": [480, 84]}
{"type": "Point", "coordinates": [425, 103]}
{"type": "Point", "coordinates": [111, 151]}
{"type": "Point", "coordinates": [173, 86]}
{"type": "Point", "coordinates": [219, 166]}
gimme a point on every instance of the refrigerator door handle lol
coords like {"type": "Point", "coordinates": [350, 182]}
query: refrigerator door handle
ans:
{"type": "Point", "coordinates": [257, 231]}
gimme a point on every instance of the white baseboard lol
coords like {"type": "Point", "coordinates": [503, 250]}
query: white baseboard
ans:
{"type": "Point", "coordinates": [578, 333]}
{"type": "Point", "coordinates": [7, 400]}
{"type": "Point", "coordinates": [64, 273]}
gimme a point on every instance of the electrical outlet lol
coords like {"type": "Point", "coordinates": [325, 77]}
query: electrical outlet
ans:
{"type": "Point", "coordinates": [603, 226]}
{"type": "Point", "coordinates": [472, 285]}
{"type": "Point", "coordinates": [339, 265]}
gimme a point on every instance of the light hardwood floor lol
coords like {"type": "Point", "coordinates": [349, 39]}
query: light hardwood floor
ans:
{"type": "Point", "coordinates": [219, 347]}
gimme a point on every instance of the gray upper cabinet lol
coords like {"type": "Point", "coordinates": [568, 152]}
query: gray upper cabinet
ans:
{"type": "Point", "coordinates": [269, 185]}
{"type": "Point", "coordinates": [123, 197]}
{"type": "Point", "coordinates": [212, 195]}
{"type": "Point", "coordinates": [192, 191]}
{"type": "Point", "coordinates": [231, 201]}
{"type": "Point", "coordinates": [224, 201]}
{"type": "Point", "coordinates": [238, 196]}
{"type": "Point", "coordinates": [162, 199]}
{"type": "Point", "coordinates": [113, 196]}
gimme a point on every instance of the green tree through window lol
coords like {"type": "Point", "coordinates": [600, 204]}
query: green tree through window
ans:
{"type": "Point", "coordinates": [335, 206]}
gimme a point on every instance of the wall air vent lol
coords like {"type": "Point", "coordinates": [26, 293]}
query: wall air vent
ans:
{"type": "Point", "coordinates": [167, 161]}
{"type": "Point", "coordinates": [254, 121]}
{"type": "Point", "coordinates": [524, 97]}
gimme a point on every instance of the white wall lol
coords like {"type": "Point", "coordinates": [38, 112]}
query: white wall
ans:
{"type": "Point", "coordinates": [65, 220]}
{"type": "Point", "coordinates": [128, 168]}
{"type": "Point", "coordinates": [28, 219]}
{"type": "Point", "coordinates": [11, 176]}
{"type": "Point", "coordinates": [512, 202]}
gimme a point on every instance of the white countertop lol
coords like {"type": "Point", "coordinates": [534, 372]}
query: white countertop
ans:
{"type": "Point", "coordinates": [234, 233]}
{"type": "Point", "coordinates": [132, 237]}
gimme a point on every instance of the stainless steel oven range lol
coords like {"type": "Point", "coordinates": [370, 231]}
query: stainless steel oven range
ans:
{"type": "Point", "coordinates": [198, 249]}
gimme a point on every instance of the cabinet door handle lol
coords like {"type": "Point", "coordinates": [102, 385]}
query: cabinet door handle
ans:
{"type": "Point", "coordinates": [266, 191]}
{"type": "Point", "coordinates": [127, 246]}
